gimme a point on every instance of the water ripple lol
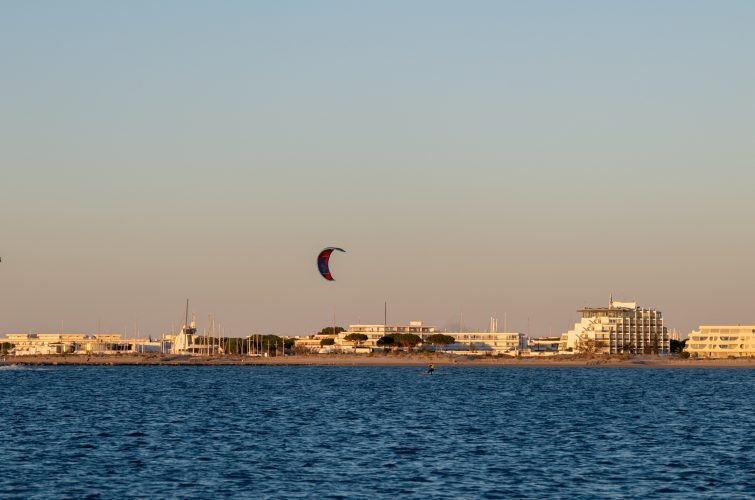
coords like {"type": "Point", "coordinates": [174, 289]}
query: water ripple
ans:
{"type": "Point", "coordinates": [367, 432]}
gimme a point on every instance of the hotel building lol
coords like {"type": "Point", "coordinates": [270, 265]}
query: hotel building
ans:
{"type": "Point", "coordinates": [622, 327]}
{"type": "Point", "coordinates": [722, 341]}
{"type": "Point", "coordinates": [468, 342]}
{"type": "Point", "coordinates": [375, 332]}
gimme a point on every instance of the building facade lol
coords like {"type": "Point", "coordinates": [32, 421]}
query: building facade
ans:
{"type": "Point", "coordinates": [622, 327]}
{"type": "Point", "coordinates": [375, 332]}
{"type": "Point", "coordinates": [29, 344]}
{"type": "Point", "coordinates": [722, 341]}
{"type": "Point", "coordinates": [487, 342]}
{"type": "Point", "coordinates": [544, 345]}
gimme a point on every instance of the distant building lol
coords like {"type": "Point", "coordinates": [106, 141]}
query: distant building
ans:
{"type": "Point", "coordinates": [544, 345]}
{"type": "Point", "coordinates": [722, 341]}
{"type": "Point", "coordinates": [487, 342]}
{"type": "Point", "coordinates": [375, 332]}
{"type": "Point", "coordinates": [313, 343]}
{"type": "Point", "coordinates": [469, 342]}
{"type": "Point", "coordinates": [27, 344]}
{"type": "Point", "coordinates": [622, 327]}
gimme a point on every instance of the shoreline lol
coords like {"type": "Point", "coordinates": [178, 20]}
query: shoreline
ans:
{"type": "Point", "coordinates": [374, 360]}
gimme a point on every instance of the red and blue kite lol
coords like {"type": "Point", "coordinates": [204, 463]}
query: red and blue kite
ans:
{"type": "Point", "coordinates": [322, 262]}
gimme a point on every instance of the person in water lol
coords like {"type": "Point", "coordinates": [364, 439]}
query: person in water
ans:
{"type": "Point", "coordinates": [430, 369]}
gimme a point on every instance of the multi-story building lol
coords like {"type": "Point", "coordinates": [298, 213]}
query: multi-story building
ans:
{"type": "Point", "coordinates": [622, 327]}
{"type": "Point", "coordinates": [487, 342]}
{"type": "Point", "coordinates": [722, 341]}
{"type": "Point", "coordinates": [474, 342]}
{"type": "Point", "coordinates": [375, 332]}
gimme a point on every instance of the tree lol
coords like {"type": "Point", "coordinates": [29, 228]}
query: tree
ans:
{"type": "Point", "coordinates": [589, 346]}
{"type": "Point", "coordinates": [357, 338]}
{"type": "Point", "coordinates": [406, 340]}
{"type": "Point", "coordinates": [440, 339]}
{"type": "Point", "coordinates": [385, 341]}
{"type": "Point", "coordinates": [329, 330]}
{"type": "Point", "coordinates": [677, 346]}
{"type": "Point", "coordinates": [325, 342]}
{"type": "Point", "coordinates": [5, 347]}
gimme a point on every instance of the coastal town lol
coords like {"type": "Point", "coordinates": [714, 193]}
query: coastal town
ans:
{"type": "Point", "coordinates": [620, 328]}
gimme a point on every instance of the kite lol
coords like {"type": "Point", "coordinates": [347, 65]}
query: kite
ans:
{"type": "Point", "coordinates": [322, 262]}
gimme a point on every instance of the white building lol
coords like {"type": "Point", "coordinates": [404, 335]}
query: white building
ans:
{"type": "Point", "coordinates": [722, 341]}
{"type": "Point", "coordinates": [375, 332]}
{"type": "Point", "coordinates": [622, 327]}
{"type": "Point", "coordinates": [29, 344]}
{"type": "Point", "coordinates": [468, 342]}
{"type": "Point", "coordinates": [487, 342]}
{"type": "Point", "coordinates": [542, 346]}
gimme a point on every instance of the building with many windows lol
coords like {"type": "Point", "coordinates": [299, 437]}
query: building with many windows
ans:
{"type": "Point", "coordinates": [722, 341]}
{"type": "Point", "coordinates": [487, 342]}
{"type": "Point", "coordinates": [375, 332]}
{"type": "Point", "coordinates": [25, 344]}
{"type": "Point", "coordinates": [622, 327]}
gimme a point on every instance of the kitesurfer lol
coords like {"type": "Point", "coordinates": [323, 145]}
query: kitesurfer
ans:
{"type": "Point", "coordinates": [430, 369]}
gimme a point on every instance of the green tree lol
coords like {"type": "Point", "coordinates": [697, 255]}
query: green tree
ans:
{"type": "Point", "coordinates": [385, 341]}
{"type": "Point", "coordinates": [357, 338]}
{"type": "Point", "coordinates": [677, 346]}
{"type": "Point", "coordinates": [5, 347]}
{"type": "Point", "coordinates": [325, 342]}
{"type": "Point", "coordinates": [409, 340]}
{"type": "Point", "coordinates": [329, 330]}
{"type": "Point", "coordinates": [439, 339]}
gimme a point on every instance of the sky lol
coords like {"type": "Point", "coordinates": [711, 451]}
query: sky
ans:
{"type": "Point", "coordinates": [523, 159]}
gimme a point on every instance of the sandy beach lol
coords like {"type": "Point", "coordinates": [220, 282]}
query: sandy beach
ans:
{"type": "Point", "coordinates": [381, 360]}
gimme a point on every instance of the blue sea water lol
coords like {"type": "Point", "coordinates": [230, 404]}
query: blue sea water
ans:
{"type": "Point", "coordinates": [375, 432]}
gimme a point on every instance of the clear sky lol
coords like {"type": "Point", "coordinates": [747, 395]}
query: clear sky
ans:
{"type": "Point", "coordinates": [520, 157]}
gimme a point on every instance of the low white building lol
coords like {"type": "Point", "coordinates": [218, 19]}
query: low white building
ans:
{"type": "Point", "coordinates": [29, 344]}
{"type": "Point", "coordinates": [375, 332]}
{"type": "Point", "coordinates": [722, 341]}
{"type": "Point", "coordinates": [544, 345]}
{"type": "Point", "coordinates": [487, 342]}
{"type": "Point", "coordinates": [622, 327]}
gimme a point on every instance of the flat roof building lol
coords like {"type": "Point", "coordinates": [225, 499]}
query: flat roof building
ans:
{"type": "Point", "coordinates": [622, 327]}
{"type": "Point", "coordinates": [375, 332]}
{"type": "Point", "coordinates": [722, 341]}
{"type": "Point", "coordinates": [487, 342]}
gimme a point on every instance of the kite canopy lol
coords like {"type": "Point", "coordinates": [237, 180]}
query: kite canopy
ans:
{"type": "Point", "coordinates": [322, 262]}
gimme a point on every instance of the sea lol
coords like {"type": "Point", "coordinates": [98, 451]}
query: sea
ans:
{"type": "Point", "coordinates": [375, 432]}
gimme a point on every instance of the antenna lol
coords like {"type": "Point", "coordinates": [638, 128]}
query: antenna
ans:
{"type": "Point", "coordinates": [186, 323]}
